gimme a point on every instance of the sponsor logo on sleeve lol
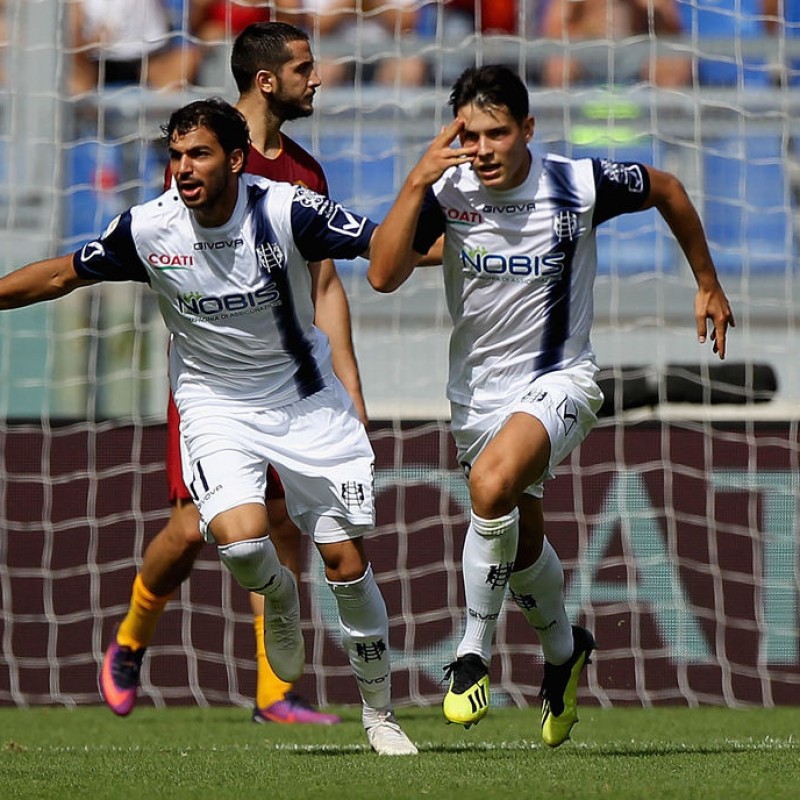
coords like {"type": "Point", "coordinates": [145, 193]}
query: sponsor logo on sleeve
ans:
{"type": "Point", "coordinates": [629, 175]}
{"type": "Point", "coordinates": [345, 222]}
{"type": "Point", "coordinates": [339, 219]}
{"type": "Point", "coordinates": [92, 250]}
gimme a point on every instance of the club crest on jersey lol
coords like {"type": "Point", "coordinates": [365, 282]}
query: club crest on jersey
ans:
{"type": "Point", "coordinates": [353, 494]}
{"type": "Point", "coordinates": [565, 226]}
{"type": "Point", "coordinates": [270, 256]}
{"type": "Point", "coordinates": [629, 175]}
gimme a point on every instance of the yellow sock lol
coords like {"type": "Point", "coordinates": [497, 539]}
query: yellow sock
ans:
{"type": "Point", "coordinates": [139, 625]}
{"type": "Point", "coordinates": [270, 688]}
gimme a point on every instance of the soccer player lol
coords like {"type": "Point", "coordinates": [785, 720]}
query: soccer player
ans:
{"type": "Point", "coordinates": [252, 378]}
{"type": "Point", "coordinates": [273, 67]}
{"type": "Point", "coordinates": [519, 266]}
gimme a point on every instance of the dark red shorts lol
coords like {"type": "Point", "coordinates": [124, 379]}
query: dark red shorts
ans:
{"type": "Point", "coordinates": [175, 485]}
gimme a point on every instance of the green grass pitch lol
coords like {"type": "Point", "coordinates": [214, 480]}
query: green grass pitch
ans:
{"type": "Point", "coordinates": [216, 754]}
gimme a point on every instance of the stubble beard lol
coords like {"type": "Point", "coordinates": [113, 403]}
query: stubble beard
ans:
{"type": "Point", "coordinates": [288, 110]}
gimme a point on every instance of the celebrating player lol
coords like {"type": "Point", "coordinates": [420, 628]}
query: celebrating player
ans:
{"type": "Point", "coordinates": [274, 71]}
{"type": "Point", "coordinates": [253, 380]}
{"type": "Point", "coordinates": [519, 266]}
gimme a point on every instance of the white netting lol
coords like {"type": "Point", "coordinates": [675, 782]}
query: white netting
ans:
{"type": "Point", "coordinates": [677, 520]}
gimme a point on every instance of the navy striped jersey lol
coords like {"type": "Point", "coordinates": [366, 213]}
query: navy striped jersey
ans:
{"type": "Point", "coordinates": [237, 298]}
{"type": "Point", "coordinates": [519, 268]}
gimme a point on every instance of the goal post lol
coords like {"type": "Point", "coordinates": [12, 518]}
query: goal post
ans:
{"type": "Point", "coordinates": [677, 520]}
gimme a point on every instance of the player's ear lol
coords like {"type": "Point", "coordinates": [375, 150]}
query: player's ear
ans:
{"type": "Point", "coordinates": [528, 124]}
{"type": "Point", "coordinates": [265, 81]}
{"type": "Point", "coordinates": [236, 160]}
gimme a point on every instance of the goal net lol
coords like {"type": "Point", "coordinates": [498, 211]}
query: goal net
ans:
{"type": "Point", "coordinates": [676, 521]}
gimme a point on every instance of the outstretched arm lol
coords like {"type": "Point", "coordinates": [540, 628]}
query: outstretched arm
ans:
{"type": "Point", "coordinates": [40, 281]}
{"type": "Point", "coordinates": [669, 197]}
{"type": "Point", "coordinates": [332, 317]}
{"type": "Point", "coordinates": [392, 257]}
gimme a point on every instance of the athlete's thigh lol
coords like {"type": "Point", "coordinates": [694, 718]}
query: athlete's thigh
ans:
{"type": "Point", "coordinates": [563, 408]}
{"type": "Point", "coordinates": [326, 462]}
{"type": "Point", "coordinates": [518, 454]}
{"type": "Point", "coordinates": [566, 403]}
{"type": "Point", "coordinates": [224, 462]}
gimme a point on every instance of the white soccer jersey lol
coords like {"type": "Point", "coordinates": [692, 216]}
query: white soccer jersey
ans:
{"type": "Point", "coordinates": [519, 268]}
{"type": "Point", "coordinates": [236, 299]}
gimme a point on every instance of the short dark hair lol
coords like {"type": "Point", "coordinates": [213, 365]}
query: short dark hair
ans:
{"type": "Point", "coordinates": [222, 119]}
{"type": "Point", "coordinates": [491, 86]}
{"type": "Point", "coordinates": [262, 45]}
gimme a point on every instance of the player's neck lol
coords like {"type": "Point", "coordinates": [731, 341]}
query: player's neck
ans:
{"type": "Point", "coordinates": [265, 128]}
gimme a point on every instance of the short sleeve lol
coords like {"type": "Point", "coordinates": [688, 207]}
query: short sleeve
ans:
{"type": "Point", "coordinates": [112, 257]}
{"type": "Point", "coordinates": [621, 187]}
{"type": "Point", "coordinates": [324, 229]}
{"type": "Point", "coordinates": [431, 223]}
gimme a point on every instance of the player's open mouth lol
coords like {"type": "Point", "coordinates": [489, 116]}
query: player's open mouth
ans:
{"type": "Point", "coordinates": [488, 170]}
{"type": "Point", "coordinates": [190, 191]}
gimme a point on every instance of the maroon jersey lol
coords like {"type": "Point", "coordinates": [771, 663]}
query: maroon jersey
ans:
{"type": "Point", "coordinates": [292, 165]}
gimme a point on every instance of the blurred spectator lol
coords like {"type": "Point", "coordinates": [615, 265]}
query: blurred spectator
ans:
{"type": "Point", "coordinates": [491, 16]}
{"type": "Point", "coordinates": [784, 20]}
{"type": "Point", "coordinates": [127, 41]}
{"type": "Point", "coordinates": [219, 20]}
{"type": "Point", "coordinates": [455, 23]}
{"type": "Point", "coordinates": [734, 20]}
{"type": "Point", "coordinates": [611, 22]}
{"type": "Point", "coordinates": [373, 27]}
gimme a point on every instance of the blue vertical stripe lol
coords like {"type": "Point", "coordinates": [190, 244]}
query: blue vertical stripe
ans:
{"type": "Point", "coordinates": [307, 377]}
{"type": "Point", "coordinates": [564, 196]}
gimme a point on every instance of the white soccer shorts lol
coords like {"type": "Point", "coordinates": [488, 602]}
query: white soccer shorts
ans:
{"type": "Point", "coordinates": [566, 402]}
{"type": "Point", "coordinates": [318, 446]}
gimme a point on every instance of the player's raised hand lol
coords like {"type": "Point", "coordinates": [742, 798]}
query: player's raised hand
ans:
{"type": "Point", "coordinates": [712, 304]}
{"type": "Point", "coordinates": [441, 155]}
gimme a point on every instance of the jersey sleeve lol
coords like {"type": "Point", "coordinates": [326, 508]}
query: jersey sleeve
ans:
{"type": "Point", "coordinates": [621, 187]}
{"type": "Point", "coordinates": [324, 229]}
{"type": "Point", "coordinates": [431, 223]}
{"type": "Point", "coordinates": [112, 257]}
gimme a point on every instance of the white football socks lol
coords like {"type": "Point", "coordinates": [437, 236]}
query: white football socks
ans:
{"type": "Point", "coordinates": [490, 548]}
{"type": "Point", "coordinates": [365, 636]}
{"type": "Point", "coordinates": [538, 591]}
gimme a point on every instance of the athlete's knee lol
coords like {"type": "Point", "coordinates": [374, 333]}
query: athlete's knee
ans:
{"type": "Point", "coordinates": [183, 526]}
{"type": "Point", "coordinates": [492, 491]}
{"type": "Point", "coordinates": [344, 561]}
{"type": "Point", "coordinates": [244, 522]}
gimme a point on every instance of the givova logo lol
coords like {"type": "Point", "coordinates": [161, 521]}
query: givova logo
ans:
{"type": "Point", "coordinates": [479, 262]}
